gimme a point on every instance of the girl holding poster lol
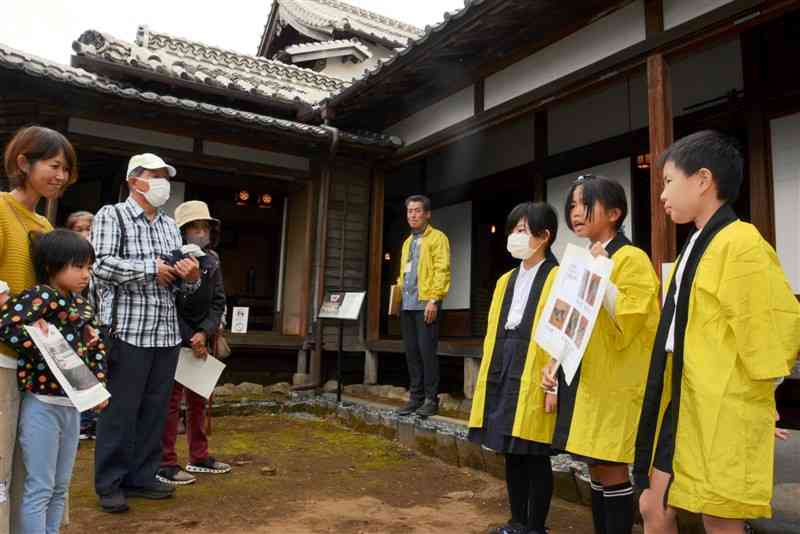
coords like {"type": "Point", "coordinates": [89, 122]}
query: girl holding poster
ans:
{"type": "Point", "coordinates": [49, 421]}
{"type": "Point", "coordinates": [511, 414]}
{"type": "Point", "coordinates": [598, 412]}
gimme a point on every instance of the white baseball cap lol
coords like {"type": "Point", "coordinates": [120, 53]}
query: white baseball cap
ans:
{"type": "Point", "coordinates": [150, 162]}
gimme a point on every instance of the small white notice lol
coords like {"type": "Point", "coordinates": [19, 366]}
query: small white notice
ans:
{"type": "Point", "coordinates": [342, 305]}
{"type": "Point", "coordinates": [571, 310]}
{"type": "Point", "coordinates": [240, 317]}
{"type": "Point", "coordinates": [198, 374]}
{"type": "Point", "coordinates": [74, 376]}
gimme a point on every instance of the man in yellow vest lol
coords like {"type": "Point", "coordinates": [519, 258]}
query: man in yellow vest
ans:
{"type": "Point", "coordinates": [425, 281]}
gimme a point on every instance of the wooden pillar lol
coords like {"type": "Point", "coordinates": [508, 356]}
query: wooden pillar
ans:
{"type": "Point", "coordinates": [471, 368]}
{"type": "Point", "coordinates": [540, 151]}
{"type": "Point", "coordinates": [315, 365]}
{"type": "Point", "coordinates": [659, 97]}
{"type": "Point", "coordinates": [759, 171]}
{"type": "Point", "coordinates": [375, 285]}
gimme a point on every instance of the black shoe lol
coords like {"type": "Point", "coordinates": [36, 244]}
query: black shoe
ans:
{"type": "Point", "coordinates": [114, 503]}
{"type": "Point", "coordinates": [429, 409]}
{"type": "Point", "coordinates": [155, 491]}
{"type": "Point", "coordinates": [411, 407]}
{"type": "Point", "coordinates": [510, 528]}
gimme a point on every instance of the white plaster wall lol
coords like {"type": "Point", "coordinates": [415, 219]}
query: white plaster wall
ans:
{"type": "Point", "coordinates": [602, 38]}
{"type": "Point", "coordinates": [446, 112]}
{"type": "Point", "coordinates": [350, 71]}
{"type": "Point", "coordinates": [610, 111]}
{"type": "Point", "coordinates": [677, 12]}
{"type": "Point", "coordinates": [558, 187]}
{"type": "Point", "coordinates": [706, 75]}
{"type": "Point", "coordinates": [499, 148]}
{"type": "Point", "coordinates": [456, 222]}
{"type": "Point", "coordinates": [786, 175]}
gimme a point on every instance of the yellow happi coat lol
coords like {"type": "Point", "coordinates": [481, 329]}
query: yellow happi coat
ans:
{"type": "Point", "coordinates": [530, 421]}
{"type": "Point", "coordinates": [598, 417]}
{"type": "Point", "coordinates": [742, 332]}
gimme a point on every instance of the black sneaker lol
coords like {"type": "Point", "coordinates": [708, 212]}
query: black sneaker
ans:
{"type": "Point", "coordinates": [209, 465]}
{"type": "Point", "coordinates": [510, 528]}
{"type": "Point", "coordinates": [429, 409]}
{"type": "Point", "coordinates": [114, 503]}
{"type": "Point", "coordinates": [155, 491]}
{"type": "Point", "coordinates": [174, 476]}
{"type": "Point", "coordinates": [411, 407]}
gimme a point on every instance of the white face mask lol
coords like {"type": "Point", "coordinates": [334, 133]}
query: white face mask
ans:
{"type": "Point", "coordinates": [159, 192]}
{"type": "Point", "coordinates": [519, 245]}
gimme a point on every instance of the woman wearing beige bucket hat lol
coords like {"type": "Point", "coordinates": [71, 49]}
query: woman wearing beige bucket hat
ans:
{"type": "Point", "coordinates": [199, 316]}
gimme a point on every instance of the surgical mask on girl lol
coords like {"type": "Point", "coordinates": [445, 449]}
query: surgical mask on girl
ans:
{"type": "Point", "coordinates": [519, 246]}
{"type": "Point", "coordinates": [159, 192]}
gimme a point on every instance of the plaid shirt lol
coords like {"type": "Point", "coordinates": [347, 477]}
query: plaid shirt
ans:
{"type": "Point", "coordinates": [146, 315]}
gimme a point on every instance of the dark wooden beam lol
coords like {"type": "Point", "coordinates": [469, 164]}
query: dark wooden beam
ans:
{"type": "Point", "coordinates": [480, 100]}
{"type": "Point", "coordinates": [654, 17]}
{"type": "Point", "coordinates": [659, 98]}
{"type": "Point", "coordinates": [759, 157]}
{"type": "Point", "coordinates": [375, 256]}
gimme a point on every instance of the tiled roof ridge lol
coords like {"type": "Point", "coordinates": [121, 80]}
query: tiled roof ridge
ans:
{"type": "Point", "coordinates": [217, 55]}
{"type": "Point", "coordinates": [34, 66]}
{"type": "Point", "coordinates": [344, 6]}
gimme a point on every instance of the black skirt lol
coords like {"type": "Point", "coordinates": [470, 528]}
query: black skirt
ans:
{"type": "Point", "coordinates": [502, 396]}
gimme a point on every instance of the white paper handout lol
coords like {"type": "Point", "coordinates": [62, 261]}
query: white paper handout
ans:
{"type": "Point", "coordinates": [571, 310]}
{"type": "Point", "coordinates": [199, 375]}
{"type": "Point", "coordinates": [341, 305]}
{"type": "Point", "coordinates": [74, 376]}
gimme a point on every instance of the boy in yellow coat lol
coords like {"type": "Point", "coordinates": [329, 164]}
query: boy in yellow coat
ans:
{"type": "Point", "coordinates": [731, 324]}
{"type": "Point", "coordinates": [598, 412]}
{"type": "Point", "coordinates": [509, 411]}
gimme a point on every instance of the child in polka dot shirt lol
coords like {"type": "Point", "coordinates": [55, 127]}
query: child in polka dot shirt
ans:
{"type": "Point", "coordinates": [49, 422]}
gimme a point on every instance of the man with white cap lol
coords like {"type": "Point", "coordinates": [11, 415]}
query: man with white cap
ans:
{"type": "Point", "coordinates": [134, 241]}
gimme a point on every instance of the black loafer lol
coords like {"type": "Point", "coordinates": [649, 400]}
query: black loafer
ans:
{"type": "Point", "coordinates": [429, 409]}
{"type": "Point", "coordinates": [409, 408]}
{"type": "Point", "coordinates": [114, 503]}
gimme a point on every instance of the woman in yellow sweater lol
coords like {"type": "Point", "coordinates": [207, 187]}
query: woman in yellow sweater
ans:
{"type": "Point", "coordinates": [39, 162]}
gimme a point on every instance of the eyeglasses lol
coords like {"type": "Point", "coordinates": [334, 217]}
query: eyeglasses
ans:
{"type": "Point", "coordinates": [585, 177]}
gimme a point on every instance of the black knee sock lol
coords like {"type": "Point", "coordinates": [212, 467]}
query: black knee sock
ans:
{"type": "Point", "coordinates": [540, 476]}
{"type": "Point", "coordinates": [598, 508]}
{"type": "Point", "coordinates": [619, 508]}
{"type": "Point", "coordinates": [518, 487]}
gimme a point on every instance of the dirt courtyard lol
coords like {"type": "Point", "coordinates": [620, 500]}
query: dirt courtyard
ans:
{"type": "Point", "coordinates": [312, 476]}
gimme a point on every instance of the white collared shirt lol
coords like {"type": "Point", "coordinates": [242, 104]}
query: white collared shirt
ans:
{"type": "Point", "coordinates": [522, 290]}
{"type": "Point", "coordinates": [669, 346]}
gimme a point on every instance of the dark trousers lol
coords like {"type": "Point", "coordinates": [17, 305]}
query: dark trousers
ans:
{"type": "Point", "coordinates": [195, 427]}
{"type": "Point", "coordinates": [421, 343]}
{"type": "Point", "coordinates": [128, 449]}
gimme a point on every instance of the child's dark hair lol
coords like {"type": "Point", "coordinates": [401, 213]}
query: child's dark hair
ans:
{"type": "Point", "coordinates": [56, 250]}
{"type": "Point", "coordinates": [540, 216]}
{"type": "Point", "coordinates": [714, 151]}
{"type": "Point", "coordinates": [594, 188]}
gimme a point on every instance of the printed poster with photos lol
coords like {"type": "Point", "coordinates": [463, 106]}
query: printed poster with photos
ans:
{"type": "Point", "coordinates": [75, 378]}
{"type": "Point", "coordinates": [571, 310]}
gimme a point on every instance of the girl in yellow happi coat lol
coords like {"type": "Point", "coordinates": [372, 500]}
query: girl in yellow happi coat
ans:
{"type": "Point", "coordinates": [509, 412]}
{"type": "Point", "coordinates": [599, 411]}
{"type": "Point", "coordinates": [731, 324]}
